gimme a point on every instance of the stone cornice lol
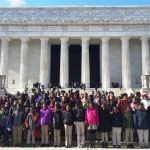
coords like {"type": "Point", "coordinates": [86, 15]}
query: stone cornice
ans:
{"type": "Point", "coordinates": [74, 15]}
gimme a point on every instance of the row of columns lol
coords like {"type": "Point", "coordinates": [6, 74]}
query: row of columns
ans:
{"type": "Point", "coordinates": [44, 76]}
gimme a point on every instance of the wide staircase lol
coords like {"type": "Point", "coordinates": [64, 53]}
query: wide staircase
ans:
{"type": "Point", "coordinates": [117, 91]}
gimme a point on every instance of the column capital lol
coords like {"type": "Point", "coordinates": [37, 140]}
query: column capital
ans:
{"type": "Point", "coordinates": [105, 38]}
{"type": "Point", "coordinates": [24, 39]}
{"type": "Point", "coordinates": [85, 39]}
{"type": "Point", "coordinates": [64, 39]}
{"type": "Point", "coordinates": [44, 39]}
{"type": "Point", "coordinates": [6, 39]}
{"type": "Point", "coordinates": [125, 38]}
{"type": "Point", "coordinates": [144, 38]}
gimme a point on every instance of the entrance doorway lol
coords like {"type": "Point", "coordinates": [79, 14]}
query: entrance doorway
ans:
{"type": "Point", "coordinates": [74, 65]}
{"type": "Point", "coordinates": [94, 51]}
{"type": "Point", "coordinates": [55, 64]}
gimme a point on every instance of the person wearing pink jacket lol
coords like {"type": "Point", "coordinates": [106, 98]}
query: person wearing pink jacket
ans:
{"type": "Point", "coordinates": [92, 120]}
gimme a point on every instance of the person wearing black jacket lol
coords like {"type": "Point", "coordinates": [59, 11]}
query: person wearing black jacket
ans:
{"type": "Point", "coordinates": [104, 127]}
{"type": "Point", "coordinates": [68, 121]}
{"type": "Point", "coordinates": [79, 112]}
{"type": "Point", "coordinates": [117, 124]}
{"type": "Point", "coordinates": [57, 125]}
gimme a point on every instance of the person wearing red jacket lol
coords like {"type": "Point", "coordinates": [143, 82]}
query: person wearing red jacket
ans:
{"type": "Point", "coordinates": [123, 103]}
{"type": "Point", "coordinates": [92, 120]}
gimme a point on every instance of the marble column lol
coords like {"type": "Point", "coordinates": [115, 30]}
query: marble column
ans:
{"type": "Point", "coordinates": [24, 62]}
{"type": "Point", "coordinates": [4, 58]}
{"type": "Point", "coordinates": [64, 63]}
{"type": "Point", "coordinates": [105, 63]}
{"type": "Point", "coordinates": [145, 56]}
{"type": "Point", "coordinates": [126, 72]}
{"type": "Point", "coordinates": [85, 68]}
{"type": "Point", "coordinates": [45, 62]}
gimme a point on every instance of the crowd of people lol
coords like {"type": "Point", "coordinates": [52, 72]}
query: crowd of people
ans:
{"type": "Point", "coordinates": [99, 116]}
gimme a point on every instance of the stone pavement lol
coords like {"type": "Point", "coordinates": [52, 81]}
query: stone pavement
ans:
{"type": "Point", "coordinates": [61, 148]}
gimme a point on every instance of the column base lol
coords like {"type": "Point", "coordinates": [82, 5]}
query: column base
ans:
{"type": "Point", "coordinates": [64, 85]}
{"type": "Point", "coordinates": [145, 91]}
{"type": "Point", "coordinates": [2, 92]}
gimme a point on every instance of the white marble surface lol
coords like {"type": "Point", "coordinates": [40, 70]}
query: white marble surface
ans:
{"type": "Point", "coordinates": [75, 23]}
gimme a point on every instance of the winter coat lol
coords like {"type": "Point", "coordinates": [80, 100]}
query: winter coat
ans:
{"type": "Point", "coordinates": [57, 120]}
{"type": "Point", "coordinates": [91, 116]}
{"type": "Point", "coordinates": [79, 114]}
{"type": "Point", "coordinates": [141, 119]}
{"type": "Point", "coordinates": [128, 120]}
{"type": "Point", "coordinates": [68, 117]}
{"type": "Point", "coordinates": [46, 116]}
{"type": "Point", "coordinates": [117, 119]}
{"type": "Point", "coordinates": [105, 124]}
{"type": "Point", "coordinates": [31, 121]}
{"type": "Point", "coordinates": [6, 118]}
{"type": "Point", "coordinates": [18, 117]}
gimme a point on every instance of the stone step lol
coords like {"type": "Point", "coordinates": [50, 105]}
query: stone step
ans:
{"type": "Point", "coordinates": [98, 144]}
{"type": "Point", "coordinates": [117, 91]}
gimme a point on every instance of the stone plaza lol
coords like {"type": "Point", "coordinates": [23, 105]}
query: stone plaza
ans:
{"type": "Point", "coordinates": [64, 44]}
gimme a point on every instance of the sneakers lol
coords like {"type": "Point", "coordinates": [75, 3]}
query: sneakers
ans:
{"type": "Point", "coordinates": [42, 145]}
{"type": "Point", "coordinates": [102, 144]}
{"type": "Point", "coordinates": [68, 146]}
{"type": "Point", "coordinates": [130, 145]}
{"type": "Point", "coordinates": [105, 145]}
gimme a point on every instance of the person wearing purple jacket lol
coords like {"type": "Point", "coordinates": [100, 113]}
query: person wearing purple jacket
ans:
{"type": "Point", "coordinates": [45, 122]}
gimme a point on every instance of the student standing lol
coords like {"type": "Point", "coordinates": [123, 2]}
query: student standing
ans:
{"type": "Point", "coordinates": [141, 122]}
{"type": "Point", "coordinates": [80, 124]}
{"type": "Point", "coordinates": [45, 122]}
{"type": "Point", "coordinates": [117, 123]}
{"type": "Point", "coordinates": [92, 120]}
{"type": "Point", "coordinates": [68, 120]}
{"type": "Point", "coordinates": [57, 125]}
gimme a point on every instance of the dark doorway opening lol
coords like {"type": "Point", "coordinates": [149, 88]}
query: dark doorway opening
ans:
{"type": "Point", "coordinates": [94, 65]}
{"type": "Point", "coordinates": [55, 64]}
{"type": "Point", "coordinates": [74, 65]}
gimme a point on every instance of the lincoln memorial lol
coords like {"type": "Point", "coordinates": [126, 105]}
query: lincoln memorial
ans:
{"type": "Point", "coordinates": [60, 45]}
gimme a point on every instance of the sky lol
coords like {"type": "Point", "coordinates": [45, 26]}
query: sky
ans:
{"type": "Point", "coordinates": [30, 3]}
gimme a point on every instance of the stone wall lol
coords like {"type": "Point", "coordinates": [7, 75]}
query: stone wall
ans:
{"type": "Point", "coordinates": [115, 61]}
{"type": "Point", "coordinates": [14, 64]}
{"type": "Point", "coordinates": [136, 63]}
{"type": "Point", "coordinates": [34, 61]}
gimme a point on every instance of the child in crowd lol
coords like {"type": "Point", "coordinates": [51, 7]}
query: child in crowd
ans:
{"type": "Point", "coordinates": [141, 122]}
{"type": "Point", "coordinates": [80, 124]}
{"type": "Point", "coordinates": [57, 125]}
{"type": "Point", "coordinates": [92, 120]}
{"type": "Point", "coordinates": [31, 123]}
{"type": "Point", "coordinates": [17, 125]}
{"type": "Point", "coordinates": [68, 120]}
{"type": "Point", "coordinates": [45, 122]}
{"type": "Point", "coordinates": [117, 123]}
{"type": "Point", "coordinates": [128, 126]}
{"type": "Point", "coordinates": [105, 124]}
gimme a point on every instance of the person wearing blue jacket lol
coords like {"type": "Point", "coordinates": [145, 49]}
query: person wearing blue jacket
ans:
{"type": "Point", "coordinates": [141, 123]}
